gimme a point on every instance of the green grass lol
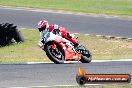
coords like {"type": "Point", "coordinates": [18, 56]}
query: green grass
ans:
{"type": "Point", "coordinates": [112, 7]}
{"type": "Point", "coordinates": [23, 52]}
{"type": "Point", "coordinates": [29, 51]}
{"type": "Point", "coordinates": [103, 48]}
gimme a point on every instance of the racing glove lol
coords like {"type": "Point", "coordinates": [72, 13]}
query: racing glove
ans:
{"type": "Point", "coordinates": [56, 29]}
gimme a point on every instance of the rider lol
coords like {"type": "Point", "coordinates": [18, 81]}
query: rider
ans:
{"type": "Point", "coordinates": [44, 26]}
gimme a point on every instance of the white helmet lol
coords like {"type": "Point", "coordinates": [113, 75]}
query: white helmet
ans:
{"type": "Point", "coordinates": [42, 25]}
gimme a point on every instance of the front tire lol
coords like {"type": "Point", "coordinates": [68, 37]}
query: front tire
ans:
{"type": "Point", "coordinates": [56, 55]}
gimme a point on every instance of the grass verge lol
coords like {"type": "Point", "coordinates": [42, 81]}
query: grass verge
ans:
{"type": "Point", "coordinates": [23, 52]}
{"type": "Point", "coordinates": [114, 7]}
{"type": "Point", "coordinates": [101, 48]}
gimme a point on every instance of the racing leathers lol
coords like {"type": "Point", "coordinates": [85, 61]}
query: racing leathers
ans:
{"type": "Point", "coordinates": [61, 31]}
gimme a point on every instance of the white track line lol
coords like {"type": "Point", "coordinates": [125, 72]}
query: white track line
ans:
{"type": "Point", "coordinates": [86, 85]}
{"type": "Point", "coordinates": [96, 35]}
{"type": "Point", "coordinates": [112, 60]}
{"type": "Point", "coordinates": [79, 62]}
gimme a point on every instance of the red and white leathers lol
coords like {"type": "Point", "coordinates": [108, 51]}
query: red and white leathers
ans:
{"type": "Point", "coordinates": [44, 26]}
{"type": "Point", "coordinates": [61, 31]}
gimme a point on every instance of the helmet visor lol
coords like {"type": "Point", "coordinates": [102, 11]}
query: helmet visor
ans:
{"type": "Point", "coordinates": [42, 28]}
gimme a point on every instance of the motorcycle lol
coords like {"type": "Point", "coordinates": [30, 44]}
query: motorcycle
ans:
{"type": "Point", "coordinates": [59, 49]}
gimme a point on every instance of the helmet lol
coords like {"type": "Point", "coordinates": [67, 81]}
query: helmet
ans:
{"type": "Point", "coordinates": [42, 25]}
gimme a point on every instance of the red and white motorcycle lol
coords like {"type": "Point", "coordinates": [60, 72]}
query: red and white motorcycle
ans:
{"type": "Point", "coordinates": [59, 49]}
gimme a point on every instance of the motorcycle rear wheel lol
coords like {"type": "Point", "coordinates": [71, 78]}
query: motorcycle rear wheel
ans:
{"type": "Point", "coordinates": [86, 55]}
{"type": "Point", "coordinates": [56, 55]}
{"type": "Point", "coordinates": [85, 59]}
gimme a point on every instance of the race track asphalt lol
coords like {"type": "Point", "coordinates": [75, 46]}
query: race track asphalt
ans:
{"type": "Point", "coordinates": [27, 75]}
{"type": "Point", "coordinates": [99, 25]}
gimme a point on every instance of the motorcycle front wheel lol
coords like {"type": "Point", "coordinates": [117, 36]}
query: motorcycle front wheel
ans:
{"type": "Point", "coordinates": [55, 53]}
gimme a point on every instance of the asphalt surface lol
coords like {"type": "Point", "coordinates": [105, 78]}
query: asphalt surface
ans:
{"type": "Point", "coordinates": [55, 74]}
{"type": "Point", "coordinates": [111, 26]}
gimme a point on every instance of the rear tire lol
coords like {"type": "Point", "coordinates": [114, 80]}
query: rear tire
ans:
{"type": "Point", "coordinates": [51, 55]}
{"type": "Point", "coordinates": [85, 59]}
{"type": "Point", "coordinates": [86, 54]}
